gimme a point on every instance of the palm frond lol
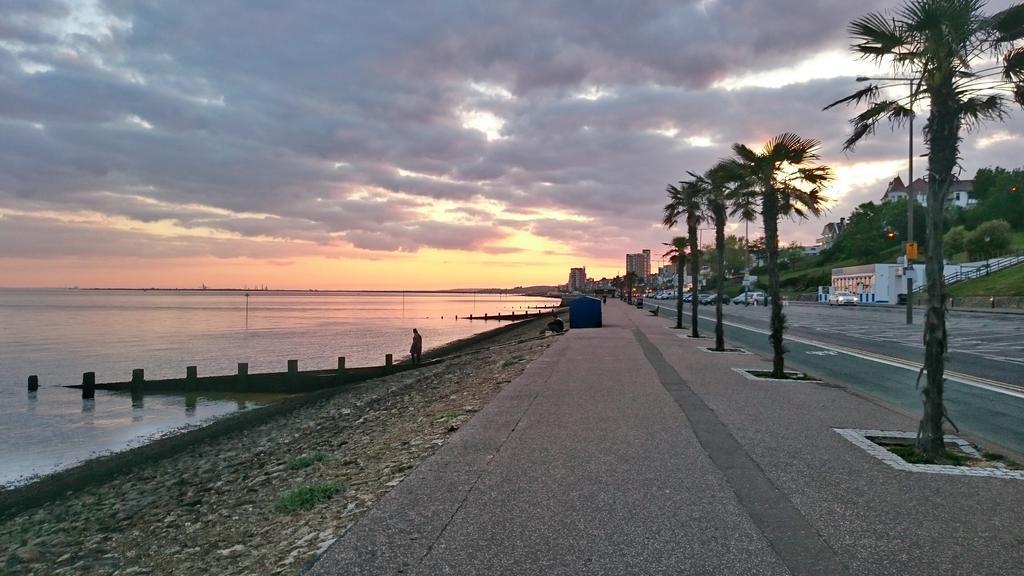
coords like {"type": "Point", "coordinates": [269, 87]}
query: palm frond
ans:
{"type": "Point", "coordinates": [1008, 24]}
{"type": "Point", "coordinates": [744, 153]}
{"type": "Point", "coordinates": [865, 123]}
{"type": "Point", "coordinates": [976, 110]}
{"type": "Point", "coordinates": [876, 36]}
{"type": "Point", "coordinates": [1013, 65]}
{"type": "Point", "coordinates": [674, 209]}
{"type": "Point", "coordinates": [862, 95]}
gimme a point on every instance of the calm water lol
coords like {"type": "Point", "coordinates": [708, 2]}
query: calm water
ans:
{"type": "Point", "coordinates": [58, 334]}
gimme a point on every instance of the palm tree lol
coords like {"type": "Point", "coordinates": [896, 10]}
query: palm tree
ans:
{"type": "Point", "coordinates": [677, 255]}
{"type": "Point", "coordinates": [782, 179]}
{"type": "Point", "coordinates": [717, 201]}
{"type": "Point", "coordinates": [688, 199]}
{"type": "Point", "coordinates": [936, 45]}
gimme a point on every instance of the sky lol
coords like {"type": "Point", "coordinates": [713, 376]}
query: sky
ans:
{"type": "Point", "coordinates": [405, 145]}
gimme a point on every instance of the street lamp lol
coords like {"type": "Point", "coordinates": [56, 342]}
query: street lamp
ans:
{"type": "Point", "coordinates": [910, 192]}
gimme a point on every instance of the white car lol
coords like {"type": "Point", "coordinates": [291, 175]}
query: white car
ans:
{"type": "Point", "coordinates": [842, 299]}
{"type": "Point", "coordinates": [751, 298]}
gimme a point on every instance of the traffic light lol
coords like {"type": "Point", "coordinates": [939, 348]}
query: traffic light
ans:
{"type": "Point", "coordinates": [890, 234]}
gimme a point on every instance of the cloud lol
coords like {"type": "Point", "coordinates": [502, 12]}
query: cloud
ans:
{"type": "Point", "coordinates": [400, 126]}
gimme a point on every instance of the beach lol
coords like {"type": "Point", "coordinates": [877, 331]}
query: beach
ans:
{"type": "Point", "coordinates": [217, 508]}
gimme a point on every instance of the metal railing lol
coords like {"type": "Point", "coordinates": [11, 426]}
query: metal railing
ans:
{"type": "Point", "coordinates": [978, 271]}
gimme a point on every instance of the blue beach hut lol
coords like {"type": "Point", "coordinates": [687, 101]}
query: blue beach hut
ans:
{"type": "Point", "coordinates": [585, 312]}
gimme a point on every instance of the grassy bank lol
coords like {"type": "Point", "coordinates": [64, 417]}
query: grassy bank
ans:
{"type": "Point", "coordinates": [1008, 282]}
{"type": "Point", "coordinates": [265, 499]}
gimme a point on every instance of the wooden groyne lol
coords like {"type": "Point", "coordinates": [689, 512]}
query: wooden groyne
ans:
{"type": "Point", "coordinates": [514, 316]}
{"type": "Point", "coordinates": [291, 381]}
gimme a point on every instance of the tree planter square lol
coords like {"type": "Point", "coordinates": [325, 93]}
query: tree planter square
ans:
{"type": "Point", "coordinates": [765, 375]}
{"type": "Point", "coordinates": [879, 443]}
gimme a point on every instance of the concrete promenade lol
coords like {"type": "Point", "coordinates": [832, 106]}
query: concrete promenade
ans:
{"type": "Point", "coordinates": [626, 450]}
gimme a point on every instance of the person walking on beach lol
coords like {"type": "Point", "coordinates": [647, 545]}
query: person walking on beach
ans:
{"type": "Point", "coordinates": [417, 346]}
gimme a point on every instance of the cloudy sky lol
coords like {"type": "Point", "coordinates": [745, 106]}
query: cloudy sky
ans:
{"type": "Point", "coordinates": [369, 144]}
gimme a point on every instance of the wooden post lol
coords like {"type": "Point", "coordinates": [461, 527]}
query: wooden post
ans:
{"type": "Point", "coordinates": [33, 383]}
{"type": "Point", "coordinates": [293, 371]}
{"type": "Point", "coordinates": [341, 369]}
{"type": "Point", "coordinates": [243, 373]}
{"type": "Point", "coordinates": [88, 385]}
{"type": "Point", "coordinates": [191, 378]}
{"type": "Point", "coordinates": [138, 378]}
{"type": "Point", "coordinates": [388, 361]}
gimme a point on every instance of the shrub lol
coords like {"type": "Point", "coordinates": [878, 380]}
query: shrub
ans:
{"type": "Point", "coordinates": [955, 240]}
{"type": "Point", "coordinates": [307, 460]}
{"type": "Point", "coordinates": [989, 239]}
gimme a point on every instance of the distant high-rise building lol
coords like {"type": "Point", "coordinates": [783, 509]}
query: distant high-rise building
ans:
{"type": "Point", "coordinates": [577, 279]}
{"type": "Point", "coordinates": [639, 264]}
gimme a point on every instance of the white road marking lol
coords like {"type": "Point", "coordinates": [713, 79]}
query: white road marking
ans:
{"type": "Point", "coordinates": [976, 381]}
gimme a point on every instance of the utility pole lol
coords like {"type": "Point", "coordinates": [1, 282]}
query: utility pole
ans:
{"type": "Point", "coordinates": [910, 215]}
{"type": "Point", "coordinates": [910, 248]}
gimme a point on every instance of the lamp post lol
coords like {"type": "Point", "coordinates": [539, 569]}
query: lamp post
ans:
{"type": "Point", "coordinates": [910, 193]}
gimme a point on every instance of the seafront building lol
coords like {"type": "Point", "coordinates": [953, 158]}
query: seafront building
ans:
{"type": "Point", "coordinates": [577, 279]}
{"type": "Point", "coordinates": [639, 264]}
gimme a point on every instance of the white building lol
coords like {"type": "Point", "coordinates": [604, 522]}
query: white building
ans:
{"type": "Point", "coordinates": [880, 283]}
{"type": "Point", "coordinates": [959, 192]}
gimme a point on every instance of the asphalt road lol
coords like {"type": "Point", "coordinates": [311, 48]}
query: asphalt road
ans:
{"type": "Point", "coordinates": [989, 346]}
{"type": "Point", "coordinates": [871, 349]}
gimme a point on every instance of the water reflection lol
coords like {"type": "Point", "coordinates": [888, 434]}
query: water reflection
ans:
{"type": "Point", "coordinates": [59, 429]}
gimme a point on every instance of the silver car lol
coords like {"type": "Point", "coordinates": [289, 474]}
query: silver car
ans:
{"type": "Point", "coordinates": [842, 299]}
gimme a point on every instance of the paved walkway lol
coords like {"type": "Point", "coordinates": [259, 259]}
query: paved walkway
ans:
{"type": "Point", "coordinates": [626, 450]}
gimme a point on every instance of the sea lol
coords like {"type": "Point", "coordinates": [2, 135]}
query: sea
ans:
{"type": "Point", "coordinates": [57, 334]}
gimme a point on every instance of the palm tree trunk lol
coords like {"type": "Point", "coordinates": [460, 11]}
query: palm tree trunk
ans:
{"type": "Point", "coordinates": [629, 290]}
{"type": "Point", "coordinates": [719, 210]}
{"type": "Point", "coordinates": [770, 215]}
{"type": "Point", "coordinates": [691, 224]}
{"type": "Point", "coordinates": [943, 139]}
{"type": "Point", "coordinates": [680, 279]}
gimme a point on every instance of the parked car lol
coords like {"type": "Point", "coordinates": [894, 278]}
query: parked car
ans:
{"type": "Point", "coordinates": [842, 299]}
{"type": "Point", "coordinates": [751, 298]}
{"type": "Point", "coordinates": [712, 299]}
{"type": "Point", "coordinates": [706, 299]}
